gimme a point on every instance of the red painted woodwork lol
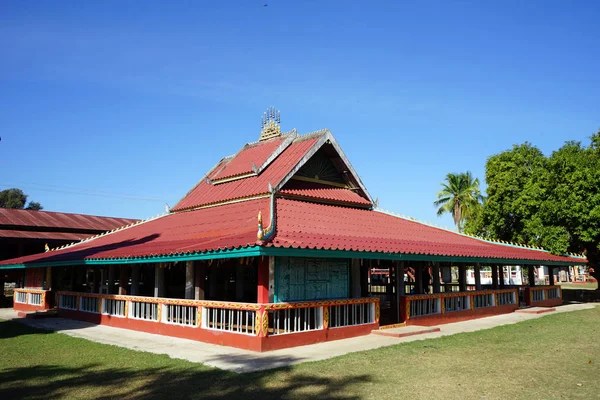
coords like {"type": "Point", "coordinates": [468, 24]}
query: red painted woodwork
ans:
{"type": "Point", "coordinates": [457, 316]}
{"type": "Point", "coordinates": [542, 303]}
{"type": "Point", "coordinates": [263, 280]}
{"type": "Point", "coordinates": [34, 278]}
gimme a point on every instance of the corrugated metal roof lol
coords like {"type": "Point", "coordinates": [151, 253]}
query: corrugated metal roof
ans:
{"type": "Point", "coordinates": [307, 225]}
{"type": "Point", "coordinates": [224, 227]}
{"type": "Point", "coordinates": [58, 220]}
{"type": "Point", "coordinates": [314, 190]}
{"type": "Point", "coordinates": [205, 193]}
{"type": "Point", "coordinates": [66, 236]}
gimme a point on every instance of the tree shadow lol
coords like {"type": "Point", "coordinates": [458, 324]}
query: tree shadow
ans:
{"type": "Point", "coordinates": [53, 382]}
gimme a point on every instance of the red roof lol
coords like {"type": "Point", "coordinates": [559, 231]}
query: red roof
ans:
{"type": "Point", "coordinates": [307, 225]}
{"type": "Point", "coordinates": [314, 190]}
{"type": "Point", "coordinates": [224, 227]}
{"type": "Point", "coordinates": [64, 236]}
{"type": "Point", "coordinates": [208, 193]}
{"type": "Point", "coordinates": [241, 163]}
{"type": "Point", "coordinates": [46, 219]}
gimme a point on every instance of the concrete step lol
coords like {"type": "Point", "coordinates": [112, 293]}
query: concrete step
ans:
{"type": "Point", "coordinates": [406, 331]}
{"type": "Point", "coordinates": [37, 314]}
{"type": "Point", "coordinates": [536, 310]}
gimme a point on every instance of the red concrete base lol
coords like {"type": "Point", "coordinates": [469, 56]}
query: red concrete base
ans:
{"type": "Point", "coordinates": [546, 303]}
{"type": "Point", "coordinates": [396, 334]}
{"type": "Point", "coordinates": [37, 314]}
{"type": "Point", "coordinates": [458, 316]}
{"type": "Point", "coordinates": [27, 307]}
{"type": "Point", "coordinates": [247, 342]}
{"type": "Point", "coordinates": [536, 310]}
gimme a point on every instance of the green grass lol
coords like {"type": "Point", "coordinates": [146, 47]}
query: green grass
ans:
{"type": "Point", "coordinates": [554, 357]}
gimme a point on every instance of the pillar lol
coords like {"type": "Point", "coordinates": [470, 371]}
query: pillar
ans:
{"type": "Point", "coordinates": [477, 271]}
{"type": "Point", "coordinates": [123, 279]}
{"type": "Point", "coordinates": [418, 278]}
{"type": "Point", "coordinates": [111, 279]}
{"type": "Point", "coordinates": [199, 280]}
{"type": "Point", "coordinates": [159, 280]}
{"type": "Point", "coordinates": [494, 277]}
{"type": "Point", "coordinates": [399, 273]}
{"type": "Point", "coordinates": [462, 278]}
{"type": "Point", "coordinates": [135, 280]}
{"type": "Point", "coordinates": [48, 285]}
{"type": "Point", "coordinates": [435, 277]}
{"type": "Point", "coordinates": [355, 289]}
{"type": "Point", "coordinates": [1, 285]}
{"type": "Point", "coordinates": [531, 275]}
{"type": "Point", "coordinates": [189, 280]}
{"type": "Point", "coordinates": [102, 279]}
{"type": "Point", "coordinates": [551, 275]}
{"type": "Point", "coordinates": [501, 276]}
{"type": "Point", "coordinates": [262, 295]}
{"type": "Point", "coordinates": [239, 282]}
{"type": "Point", "coordinates": [364, 278]}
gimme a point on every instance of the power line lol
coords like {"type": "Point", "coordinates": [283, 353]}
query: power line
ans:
{"type": "Point", "coordinates": [80, 191]}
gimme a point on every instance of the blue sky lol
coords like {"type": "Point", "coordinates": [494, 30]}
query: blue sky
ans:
{"type": "Point", "coordinates": [118, 108]}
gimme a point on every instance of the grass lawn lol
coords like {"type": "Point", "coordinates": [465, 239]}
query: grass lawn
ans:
{"type": "Point", "coordinates": [554, 357]}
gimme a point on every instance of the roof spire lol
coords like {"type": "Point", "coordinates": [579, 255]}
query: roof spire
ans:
{"type": "Point", "coordinates": [270, 124]}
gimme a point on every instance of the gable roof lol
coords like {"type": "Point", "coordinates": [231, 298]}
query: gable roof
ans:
{"type": "Point", "coordinates": [287, 155]}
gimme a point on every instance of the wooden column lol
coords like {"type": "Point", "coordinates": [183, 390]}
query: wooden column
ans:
{"type": "Point", "coordinates": [435, 277]}
{"type": "Point", "coordinates": [462, 278]}
{"type": "Point", "coordinates": [159, 280]}
{"type": "Point", "coordinates": [551, 275]}
{"type": "Point", "coordinates": [364, 278]}
{"type": "Point", "coordinates": [48, 285]}
{"type": "Point", "coordinates": [494, 277]}
{"type": "Point", "coordinates": [531, 275]}
{"type": "Point", "coordinates": [111, 279]}
{"type": "Point", "coordinates": [123, 279]}
{"type": "Point", "coordinates": [135, 280]}
{"type": "Point", "coordinates": [189, 279]}
{"type": "Point", "coordinates": [262, 295]}
{"type": "Point", "coordinates": [477, 271]}
{"type": "Point", "coordinates": [355, 281]}
{"type": "Point", "coordinates": [418, 277]}
{"type": "Point", "coordinates": [399, 273]}
{"type": "Point", "coordinates": [501, 276]}
{"type": "Point", "coordinates": [199, 280]}
{"type": "Point", "coordinates": [239, 282]}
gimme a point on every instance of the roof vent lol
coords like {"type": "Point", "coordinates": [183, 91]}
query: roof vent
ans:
{"type": "Point", "coordinates": [270, 124]}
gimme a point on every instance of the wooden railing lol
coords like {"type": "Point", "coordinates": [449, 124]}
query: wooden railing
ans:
{"type": "Point", "coordinates": [543, 295]}
{"type": "Point", "coordinates": [446, 303]}
{"type": "Point", "coordinates": [238, 318]}
{"type": "Point", "coordinates": [31, 297]}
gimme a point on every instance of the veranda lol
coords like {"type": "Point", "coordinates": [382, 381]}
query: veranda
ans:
{"type": "Point", "coordinates": [264, 303]}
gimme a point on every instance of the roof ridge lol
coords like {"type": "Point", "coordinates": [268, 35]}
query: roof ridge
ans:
{"type": "Point", "coordinates": [62, 212]}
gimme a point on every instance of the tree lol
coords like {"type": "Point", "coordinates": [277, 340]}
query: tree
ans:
{"type": "Point", "coordinates": [15, 198]}
{"type": "Point", "coordinates": [460, 197]}
{"type": "Point", "coordinates": [552, 202]}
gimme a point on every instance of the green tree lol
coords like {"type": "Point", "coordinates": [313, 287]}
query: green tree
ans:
{"type": "Point", "coordinates": [460, 197]}
{"type": "Point", "coordinates": [15, 198]}
{"type": "Point", "coordinates": [552, 202]}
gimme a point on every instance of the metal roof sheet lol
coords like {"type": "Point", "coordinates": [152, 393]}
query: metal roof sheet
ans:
{"type": "Point", "coordinates": [319, 191]}
{"type": "Point", "coordinates": [307, 225]}
{"type": "Point", "coordinates": [224, 227]}
{"type": "Point", "coordinates": [256, 154]}
{"type": "Point", "coordinates": [59, 220]}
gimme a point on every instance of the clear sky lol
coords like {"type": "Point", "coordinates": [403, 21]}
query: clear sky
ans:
{"type": "Point", "coordinates": [116, 108]}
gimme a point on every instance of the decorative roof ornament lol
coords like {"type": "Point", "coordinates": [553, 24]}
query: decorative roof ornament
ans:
{"type": "Point", "coordinates": [270, 124]}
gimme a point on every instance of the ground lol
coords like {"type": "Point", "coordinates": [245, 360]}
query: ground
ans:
{"type": "Point", "coordinates": [557, 356]}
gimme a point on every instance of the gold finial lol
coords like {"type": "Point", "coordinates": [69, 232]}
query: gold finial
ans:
{"type": "Point", "coordinates": [260, 234]}
{"type": "Point", "coordinates": [46, 247]}
{"type": "Point", "coordinates": [270, 124]}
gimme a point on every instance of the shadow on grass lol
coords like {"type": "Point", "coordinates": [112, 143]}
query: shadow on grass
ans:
{"type": "Point", "coordinates": [53, 382]}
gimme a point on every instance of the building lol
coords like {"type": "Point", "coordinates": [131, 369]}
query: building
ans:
{"type": "Point", "coordinates": [26, 232]}
{"type": "Point", "coordinates": [279, 245]}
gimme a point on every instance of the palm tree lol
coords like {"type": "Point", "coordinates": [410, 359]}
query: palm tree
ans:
{"type": "Point", "coordinates": [460, 196]}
